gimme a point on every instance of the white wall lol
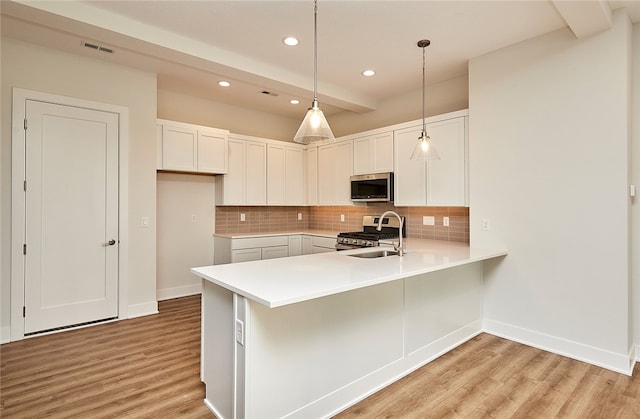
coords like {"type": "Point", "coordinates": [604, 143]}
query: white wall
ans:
{"type": "Point", "coordinates": [182, 241]}
{"type": "Point", "coordinates": [448, 96]}
{"type": "Point", "coordinates": [42, 69]}
{"type": "Point", "coordinates": [635, 208]}
{"type": "Point", "coordinates": [195, 110]}
{"type": "Point", "coordinates": [549, 166]}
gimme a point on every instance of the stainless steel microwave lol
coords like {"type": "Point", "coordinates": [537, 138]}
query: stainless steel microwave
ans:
{"type": "Point", "coordinates": [376, 187]}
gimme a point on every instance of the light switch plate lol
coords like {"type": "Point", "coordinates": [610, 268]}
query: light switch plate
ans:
{"type": "Point", "coordinates": [242, 217]}
{"type": "Point", "coordinates": [445, 221]}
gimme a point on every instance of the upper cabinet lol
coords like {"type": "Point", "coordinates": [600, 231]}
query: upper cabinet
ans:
{"type": "Point", "coordinates": [191, 148]}
{"type": "Point", "coordinates": [285, 175]}
{"type": "Point", "coordinates": [312, 175]}
{"type": "Point", "coordinates": [245, 182]}
{"type": "Point", "coordinates": [373, 154]}
{"type": "Point", "coordinates": [335, 167]}
{"type": "Point", "coordinates": [436, 182]}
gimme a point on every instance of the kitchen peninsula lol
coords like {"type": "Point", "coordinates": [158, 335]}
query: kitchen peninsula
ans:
{"type": "Point", "coordinates": [307, 336]}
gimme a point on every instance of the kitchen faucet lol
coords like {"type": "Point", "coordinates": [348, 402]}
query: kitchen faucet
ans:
{"type": "Point", "coordinates": [400, 247]}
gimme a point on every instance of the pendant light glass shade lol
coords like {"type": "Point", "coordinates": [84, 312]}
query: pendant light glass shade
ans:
{"type": "Point", "coordinates": [424, 149]}
{"type": "Point", "coordinates": [314, 127]}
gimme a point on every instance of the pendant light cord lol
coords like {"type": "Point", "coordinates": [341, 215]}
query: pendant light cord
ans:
{"type": "Point", "coordinates": [315, 52]}
{"type": "Point", "coordinates": [424, 124]}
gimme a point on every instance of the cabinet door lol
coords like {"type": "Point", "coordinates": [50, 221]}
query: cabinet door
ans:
{"type": "Point", "coordinates": [256, 171]}
{"type": "Point", "coordinates": [294, 176]}
{"type": "Point", "coordinates": [179, 149]}
{"type": "Point", "coordinates": [245, 255]}
{"type": "Point", "coordinates": [307, 245]}
{"type": "Point", "coordinates": [446, 178]}
{"type": "Point", "coordinates": [233, 183]}
{"type": "Point", "coordinates": [276, 176]}
{"type": "Point", "coordinates": [325, 175]}
{"type": "Point", "coordinates": [343, 169]}
{"type": "Point", "coordinates": [362, 156]}
{"type": "Point", "coordinates": [212, 152]}
{"type": "Point", "coordinates": [382, 146]}
{"type": "Point", "coordinates": [295, 245]}
{"type": "Point", "coordinates": [312, 176]}
{"type": "Point", "coordinates": [410, 183]}
{"type": "Point", "coordinates": [275, 252]}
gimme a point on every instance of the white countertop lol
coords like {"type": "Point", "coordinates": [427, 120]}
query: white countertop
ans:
{"type": "Point", "coordinates": [283, 281]}
{"type": "Point", "coordinates": [321, 233]}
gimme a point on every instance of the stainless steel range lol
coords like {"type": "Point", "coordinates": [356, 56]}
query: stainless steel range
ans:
{"type": "Point", "coordinates": [370, 236]}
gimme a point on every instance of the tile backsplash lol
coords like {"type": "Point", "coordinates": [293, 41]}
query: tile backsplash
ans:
{"type": "Point", "coordinates": [268, 219]}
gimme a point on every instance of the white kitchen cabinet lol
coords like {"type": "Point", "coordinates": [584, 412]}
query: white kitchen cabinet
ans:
{"type": "Point", "coordinates": [275, 252]}
{"type": "Point", "coordinates": [191, 148]}
{"type": "Point", "coordinates": [436, 182]}
{"type": "Point", "coordinates": [312, 175]}
{"type": "Point", "coordinates": [307, 245]}
{"type": "Point", "coordinates": [234, 250]}
{"type": "Point", "coordinates": [373, 154]}
{"type": "Point", "coordinates": [295, 245]}
{"type": "Point", "coordinates": [246, 255]}
{"type": "Point", "coordinates": [245, 181]}
{"type": "Point", "coordinates": [320, 244]}
{"type": "Point", "coordinates": [285, 175]}
{"type": "Point", "coordinates": [335, 167]}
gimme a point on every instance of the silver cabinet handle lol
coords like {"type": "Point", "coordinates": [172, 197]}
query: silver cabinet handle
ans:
{"type": "Point", "coordinates": [109, 243]}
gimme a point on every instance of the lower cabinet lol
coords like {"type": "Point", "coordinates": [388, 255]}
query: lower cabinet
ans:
{"type": "Point", "coordinates": [234, 250]}
{"type": "Point", "coordinates": [318, 244]}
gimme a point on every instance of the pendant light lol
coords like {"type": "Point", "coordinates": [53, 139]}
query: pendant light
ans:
{"type": "Point", "coordinates": [314, 127]}
{"type": "Point", "coordinates": [424, 149]}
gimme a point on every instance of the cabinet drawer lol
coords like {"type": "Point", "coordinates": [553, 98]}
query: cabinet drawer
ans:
{"type": "Point", "coordinates": [251, 242]}
{"type": "Point", "coordinates": [275, 252]}
{"type": "Point", "coordinates": [328, 242]}
{"type": "Point", "coordinates": [245, 255]}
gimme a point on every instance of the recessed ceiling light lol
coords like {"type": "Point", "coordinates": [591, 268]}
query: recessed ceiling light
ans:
{"type": "Point", "coordinates": [294, 101]}
{"type": "Point", "coordinates": [368, 73]}
{"type": "Point", "coordinates": [224, 83]}
{"type": "Point", "coordinates": [291, 41]}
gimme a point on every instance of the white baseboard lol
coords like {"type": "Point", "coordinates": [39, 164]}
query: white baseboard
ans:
{"type": "Point", "coordinates": [176, 292]}
{"type": "Point", "coordinates": [622, 363]}
{"type": "Point", "coordinates": [144, 309]}
{"type": "Point", "coordinates": [5, 334]}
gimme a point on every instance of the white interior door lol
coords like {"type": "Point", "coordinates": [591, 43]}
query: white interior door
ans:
{"type": "Point", "coordinates": [71, 227]}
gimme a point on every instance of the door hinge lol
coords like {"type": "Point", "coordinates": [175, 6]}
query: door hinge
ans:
{"type": "Point", "coordinates": [25, 124]}
{"type": "Point", "coordinates": [25, 185]}
{"type": "Point", "coordinates": [24, 249]}
{"type": "Point", "coordinates": [24, 312]}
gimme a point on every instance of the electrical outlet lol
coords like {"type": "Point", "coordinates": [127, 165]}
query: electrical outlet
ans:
{"type": "Point", "coordinates": [342, 218]}
{"type": "Point", "coordinates": [299, 216]}
{"type": "Point", "coordinates": [445, 221]}
{"type": "Point", "coordinates": [486, 224]}
{"type": "Point", "coordinates": [428, 220]}
{"type": "Point", "coordinates": [242, 217]}
{"type": "Point", "coordinates": [240, 332]}
{"type": "Point", "coordinates": [194, 219]}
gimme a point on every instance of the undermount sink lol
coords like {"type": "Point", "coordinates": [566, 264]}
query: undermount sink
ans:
{"type": "Point", "coordinates": [375, 254]}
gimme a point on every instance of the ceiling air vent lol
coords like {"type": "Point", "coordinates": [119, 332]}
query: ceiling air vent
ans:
{"type": "Point", "coordinates": [97, 47]}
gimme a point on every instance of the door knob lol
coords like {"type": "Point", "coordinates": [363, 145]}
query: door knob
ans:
{"type": "Point", "coordinates": [109, 243]}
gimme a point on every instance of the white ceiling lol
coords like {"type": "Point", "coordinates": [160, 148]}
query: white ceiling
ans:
{"type": "Point", "coordinates": [193, 44]}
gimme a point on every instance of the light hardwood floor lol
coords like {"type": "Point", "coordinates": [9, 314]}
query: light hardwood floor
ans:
{"type": "Point", "coordinates": [149, 368]}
